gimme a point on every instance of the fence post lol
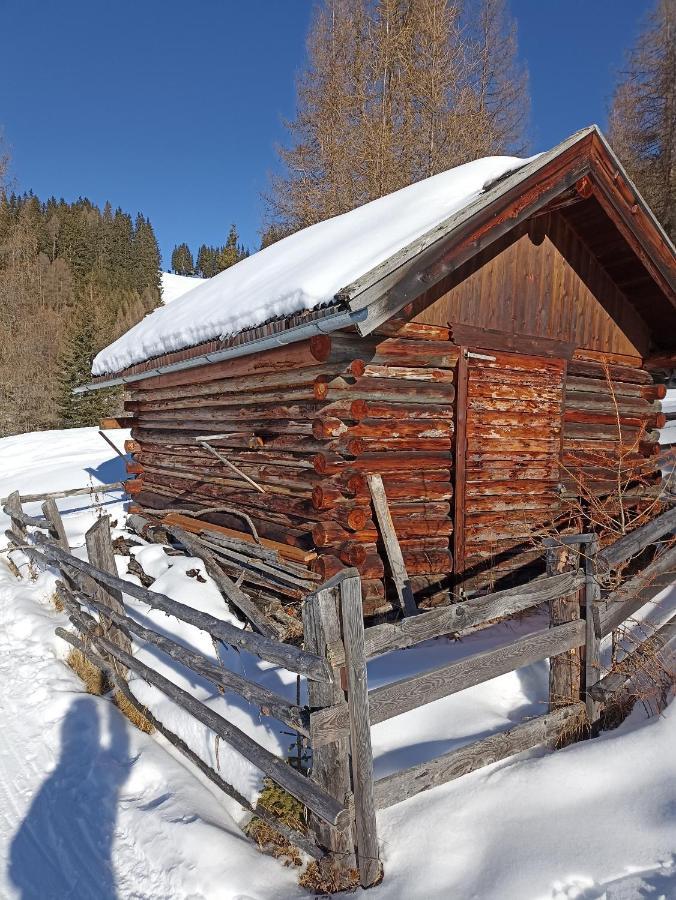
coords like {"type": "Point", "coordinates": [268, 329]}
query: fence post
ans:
{"type": "Point", "coordinates": [330, 763]}
{"type": "Point", "coordinates": [56, 528]}
{"type": "Point", "coordinates": [352, 616]}
{"type": "Point", "coordinates": [101, 554]}
{"type": "Point", "coordinates": [13, 505]}
{"type": "Point", "coordinates": [592, 596]}
{"type": "Point", "coordinates": [564, 670]}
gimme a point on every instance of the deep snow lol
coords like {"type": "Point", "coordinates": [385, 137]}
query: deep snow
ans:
{"type": "Point", "coordinates": [305, 269]}
{"type": "Point", "coordinates": [174, 286]}
{"type": "Point", "coordinates": [90, 807]}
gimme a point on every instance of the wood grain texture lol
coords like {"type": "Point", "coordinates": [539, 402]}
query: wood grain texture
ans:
{"type": "Point", "coordinates": [368, 857]}
{"type": "Point", "coordinates": [401, 785]}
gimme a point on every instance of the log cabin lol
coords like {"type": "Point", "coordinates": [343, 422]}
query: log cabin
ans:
{"type": "Point", "coordinates": [482, 340]}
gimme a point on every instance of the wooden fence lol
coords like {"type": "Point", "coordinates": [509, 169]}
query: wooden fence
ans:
{"type": "Point", "coordinates": [340, 793]}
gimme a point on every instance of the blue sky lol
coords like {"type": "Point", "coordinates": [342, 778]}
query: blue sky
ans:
{"type": "Point", "coordinates": [174, 108]}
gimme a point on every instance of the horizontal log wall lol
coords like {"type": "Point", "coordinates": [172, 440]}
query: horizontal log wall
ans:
{"type": "Point", "coordinates": [611, 418]}
{"type": "Point", "coordinates": [307, 425]}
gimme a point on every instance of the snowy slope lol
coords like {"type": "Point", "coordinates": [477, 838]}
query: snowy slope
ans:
{"type": "Point", "coordinates": [111, 812]}
{"type": "Point", "coordinates": [305, 269]}
{"type": "Point", "coordinates": [174, 286]}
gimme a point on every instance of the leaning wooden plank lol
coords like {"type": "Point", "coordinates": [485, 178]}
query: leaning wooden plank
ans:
{"type": "Point", "coordinates": [592, 660]}
{"type": "Point", "coordinates": [467, 614]}
{"type": "Point", "coordinates": [409, 782]}
{"type": "Point", "coordinates": [392, 548]}
{"type": "Point", "coordinates": [271, 704]}
{"type": "Point", "coordinates": [19, 517]}
{"type": "Point", "coordinates": [56, 528]}
{"type": "Point", "coordinates": [409, 693]}
{"type": "Point", "coordinates": [300, 787]}
{"type": "Point", "coordinates": [637, 591]}
{"type": "Point", "coordinates": [225, 584]}
{"type": "Point", "coordinates": [631, 544]}
{"type": "Point", "coordinates": [72, 492]}
{"type": "Point", "coordinates": [361, 754]}
{"type": "Point", "coordinates": [661, 645]}
{"type": "Point", "coordinates": [195, 526]}
{"type": "Point", "coordinates": [285, 655]}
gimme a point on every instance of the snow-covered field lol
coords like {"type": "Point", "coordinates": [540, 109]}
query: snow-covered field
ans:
{"type": "Point", "coordinates": [174, 286]}
{"type": "Point", "coordinates": [92, 808]}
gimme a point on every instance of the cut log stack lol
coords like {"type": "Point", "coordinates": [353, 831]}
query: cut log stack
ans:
{"type": "Point", "coordinates": [307, 423]}
{"type": "Point", "coordinates": [611, 418]}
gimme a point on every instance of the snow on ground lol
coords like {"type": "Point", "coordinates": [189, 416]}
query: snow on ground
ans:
{"type": "Point", "coordinates": [174, 286]}
{"type": "Point", "coordinates": [303, 270]}
{"type": "Point", "coordinates": [90, 807]}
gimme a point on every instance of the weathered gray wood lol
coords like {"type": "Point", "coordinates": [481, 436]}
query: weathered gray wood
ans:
{"type": "Point", "coordinates": [18, 516]}
{"type": "Point", "coordinates": [270, 703]}
{"type": "Point", "coordinates": [564, 669]}
{"type": "Point", "coordinates": [467, 614]}
{"type": "Point", "coordinates": [392, 548]}
{"type": "Point", "coordinates": [592, 595]}
{"type": "Point", "coordinates": [330, 763]}
{"type": "Point", "coordinates": [636, 541]}
{"type": "Point", "coordinates": [303, 789]}
{"type": "Point", "coordinates": [225, 584]}
{"type": "Point", "coordinates": [56, 528]}
{"type": "Point", "coordinates": [409, 693]}
{"type": "Point", "coordinates": [101, 554]}
{"type": "Point", "coordinates": [662, 645]}
{"type": "Point", "coordinates": [401, 785]}
{"type": "Point", "coordinates": [637, 591]}
{"type": "Point", "coordinates": [285, 655]}
{"type": "Point", "coordinates": [71, 492]}
{"type": "Point", "coordinates": [12, 508]}
{"type": "Point", "coordinates": [352, 617]}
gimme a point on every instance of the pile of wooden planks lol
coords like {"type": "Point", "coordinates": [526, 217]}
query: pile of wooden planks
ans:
{"type": "Point", "coordinates": [306, 424]}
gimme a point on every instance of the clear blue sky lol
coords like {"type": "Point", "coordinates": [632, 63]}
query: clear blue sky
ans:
{"type": "Point", "coordinates": [174, 108]}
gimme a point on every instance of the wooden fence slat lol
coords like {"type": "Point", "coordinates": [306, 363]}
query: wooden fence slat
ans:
{"type": "Point", "coordinates": [564, 669]}
{"type": "Point", "coordinates": [409, 693]}
{"type": "Point", "coordinates": [56, 528]}
{"type": "Point", "coordinates": [360, 731]}
{"type": "Point", "coordinates": [12, 507]}
{"type": "Point", "coordinates": [637, 591]}
{"type": "Point", "coordinates": [467, 614]}
{"type": "Point", "coordinates": [592, 595]}
{"type": "Point", "coordinates": [392, 548]}
{"type": "Point", "coordinates": [531, 733]}
{"type": "Point", "coordinates": [71, 492]}
{"type": "Point", "coordinates": [102, 555]}
{"type": "Point", "coordinates": [330, 763]}
{"type": "Point", "coordinates": [285, 655]}
{"type": "Point", "coordinates": [632, 544]}
{"type": "Point", "coordinates": [270, 703]}
{"type": "Point", "coordinates": [303, 789]}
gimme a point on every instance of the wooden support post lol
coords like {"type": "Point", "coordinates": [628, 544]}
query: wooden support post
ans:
{"type": "Point", "coordinates": [13, 505]}
{"type": "Point", "coordinates": [564, 670]}
{"type": "Point", "coordinates": [56, 529]}
{"type": "Point", "coordinates": [592, 596]}
{"type": "Point", "coordinates": [392, 548]}
{"type": "Point", "coordinates": [101, 554]}
{"type": "Point", "coordinates": [360, 731]}
{"type": "Point", "coordinates": [330, 763]}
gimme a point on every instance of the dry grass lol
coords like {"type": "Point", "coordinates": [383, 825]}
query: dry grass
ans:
{"type": "Point", "coordinates": [93, 679]}
{"type": "Point", "coordinates": [132, 712]}
{"type": "Point", "coordinates": [325, 878]}
{"type": "Point", "coordinates": [271, 841]}
{"type": "Point", "coordinates": [57, 602]}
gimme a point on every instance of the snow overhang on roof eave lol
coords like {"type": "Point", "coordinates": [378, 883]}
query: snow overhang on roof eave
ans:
{"type": "Point", "coordinates": [388, 287]}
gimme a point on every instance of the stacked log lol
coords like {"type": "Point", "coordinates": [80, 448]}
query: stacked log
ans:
{"type": "Point", "coordinates": [307, 424]}
{"type": "Point", "coordinates": [610, 436]}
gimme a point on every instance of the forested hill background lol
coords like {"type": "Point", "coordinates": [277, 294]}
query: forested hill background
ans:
{"type": "Point", "coordinates": [73, 278]}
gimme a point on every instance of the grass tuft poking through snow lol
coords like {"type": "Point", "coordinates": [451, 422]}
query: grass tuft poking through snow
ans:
{"type": "Point", "coordinates": [93, 679]}
{"type": "Point", "coordinates": [132, 712]}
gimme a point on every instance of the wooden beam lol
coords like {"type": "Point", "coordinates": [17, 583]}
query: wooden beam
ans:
{"type": "Point", "coordinates": [401, 785]}
{"type": "Point", "coordinates": [392, 548]}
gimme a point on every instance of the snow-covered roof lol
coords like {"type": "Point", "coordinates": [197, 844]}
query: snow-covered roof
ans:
{"type": "Point", "coordinates": [174, 286]}
{"type": "Point", "coordinates": [306, 269]}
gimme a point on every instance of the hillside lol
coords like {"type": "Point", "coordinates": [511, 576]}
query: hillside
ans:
{"type": "Point", "coordinates": [174, 286]}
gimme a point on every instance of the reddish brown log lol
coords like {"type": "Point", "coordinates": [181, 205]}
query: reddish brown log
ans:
{"type": "Point", "coordinates": [331, 534]}
{"type": "Point", "coordinates": [324, 464]}
{"type": "Point", "coordinates": [132, 446]}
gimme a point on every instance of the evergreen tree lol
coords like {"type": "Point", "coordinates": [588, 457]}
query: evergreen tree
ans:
{"type": "Point", "coordinates": [232, 252]}
{"type": "Point", "coordinates": [182, 262]}
{"type": "Point", "coordinates": [643, 114]}
{"type": "Point", "coordinates": [78, 410]}
{"type": "Point", "coordinates": [207, 261]}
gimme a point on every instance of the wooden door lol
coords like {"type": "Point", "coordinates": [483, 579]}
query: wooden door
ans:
{"type": "Point", "coordinates": [509, 416]}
